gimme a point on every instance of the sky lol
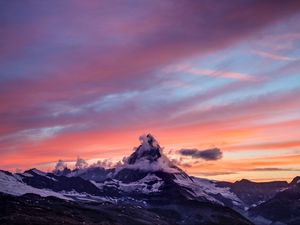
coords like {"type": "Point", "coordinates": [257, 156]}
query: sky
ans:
{"type": "Point", "coordinates": [87, 78]}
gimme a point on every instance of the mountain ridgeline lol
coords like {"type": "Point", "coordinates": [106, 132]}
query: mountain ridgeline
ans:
{"type": "Point", "coordinates": [147, 188]}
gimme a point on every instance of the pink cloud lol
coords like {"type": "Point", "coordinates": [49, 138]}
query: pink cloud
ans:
{"type": "Point", "coordinates": [273, 56]}
{"type": "Point", "coordinates": [210, 72]}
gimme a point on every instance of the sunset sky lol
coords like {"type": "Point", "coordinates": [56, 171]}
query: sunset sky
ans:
{"type": "Point", "coordinates": [87, 78]}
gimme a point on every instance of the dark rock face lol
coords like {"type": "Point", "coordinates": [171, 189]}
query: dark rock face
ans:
{"type": "Point", "coordinates": [97, 174]}
{"type": "Point", "coordinates": [6, 172]}
{"type": "Point", "coordinates": [128, 175]}
{"type": "Point", "coordinates": [32, 209]}
{"type": "Point", "coordinates": [252, 193]}
{"type": "Point", "coordinates": [59, 183]}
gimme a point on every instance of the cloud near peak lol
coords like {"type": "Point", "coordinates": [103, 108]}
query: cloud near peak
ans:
{"type": "Point", "coordinates": [81, 164]}
{"type": "Point", "coordinates": [207, 154]}
{"type": "Point", "coordinates": [60, 165]}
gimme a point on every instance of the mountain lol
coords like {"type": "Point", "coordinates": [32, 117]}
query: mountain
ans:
{"type": "Point", "coordinates": [147, 188]}
{"type": "Point", "coordinates": [147, 172]}
{"type": "Point", "coordinates": [253, 193]}
{"type": "Point", "coordinates": [38, 179]}
{"type": "Point", "coordinates": [295, 181]}
{"type": "Point", "coordinates": [97, 174]}
{"type": "Point", "coordinates": [74, 207]}
{"type": "Point", "coordinates": [283, 208]}
{"type": "Point", "coordinates": [48, 184]}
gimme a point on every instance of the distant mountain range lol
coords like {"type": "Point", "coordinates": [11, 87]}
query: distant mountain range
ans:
{"type": "Point", "coordinates": [147, 189]}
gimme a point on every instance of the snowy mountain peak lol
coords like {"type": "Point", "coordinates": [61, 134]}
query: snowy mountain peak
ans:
{"type": "Point", "coordinates": [149, 141]}
{"type": "Point", "coordinates": [148, 150]}
{"type": "Point", "coordinates": [148, 157]}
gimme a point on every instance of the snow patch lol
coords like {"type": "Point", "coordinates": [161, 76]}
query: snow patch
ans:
{"type": "Point", "coordinates": [38, 172]}
{"type": "Point", "coordinates": [11, 184]}
{"type": "Point", "coordinates": [141, 186]}
{"type": "Point", "coordinates": [206, 188]}
{"type": "Point", "coordinates": [162, 164]}
{"type": "Point", "coordinates": [27, 175]}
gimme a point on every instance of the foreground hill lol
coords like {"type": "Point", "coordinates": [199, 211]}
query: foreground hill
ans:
{"type": "Point", "coordinates": [31, 209]}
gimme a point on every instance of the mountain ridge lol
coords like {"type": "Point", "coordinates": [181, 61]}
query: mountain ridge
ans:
{"type": "Point", "coordinates": [147, 179]}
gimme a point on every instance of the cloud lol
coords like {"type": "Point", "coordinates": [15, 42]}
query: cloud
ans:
{"type": "Point", "coordinates": [60, 165]}
{"type": "Point", "coordinates": [106, 163]}
{"type": "Point", "coordinates": [207, 154]}
{"type": "Point", "coordinates": [278, 164]}
{"type": "Point", "coordinates": [81, 164]}
{"type": "Point", "coordinates": [273, 56]}
{"type": "Point", "coordinates": [178, 38]}
{"type": "Point", "coordinates": [214, 173]}
{"type": "Point", "coordinates": [181, 163]}
{"type": "Point", "coordinates": [275, 101]}
{"type": "Point", "coordinates": [274, 169]}
{"type": "Point", "coordinates": [210, 72]}
{"type": "Point", "coordinates": [267, 145]}
{"type": "Point", "coordinates": [17, 170]}
{"type": "Point", "coordinates": [147, 142]}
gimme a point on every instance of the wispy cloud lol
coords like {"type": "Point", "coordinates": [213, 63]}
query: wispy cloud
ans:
{"type": "Point", "coordinates": [209, 174]}
{"type": "Point", "coordinates": [274, 169]}
{"type": "Point", "coordinates": [266, 146]}
{"type": "Point", "coordinates": [211, 72]}
{"type": "Point", "coordinates": [273, 56]}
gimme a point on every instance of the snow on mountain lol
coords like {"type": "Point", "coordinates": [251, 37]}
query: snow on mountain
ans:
{"type": "Point", "coordinates": [39, 172]}
{"type": "Point", "coordinates": [18, 184]}
{"type": "Point", "coordinates": [148, 157]}
{"type": "Point", "coordinates": [147, 178]}
{"type": "Point", "coordinates": [149, 184]}
{"type": "Point", "coordinates": [282, 208]}
{"type": "Point", "coordinates": [27, 174]}
{"type": "Point", "coordinates": [208, 189]}
{"type": "Point", "coordinates": [147, 171]}
{"type": "Point", "coordinates": [13, 184]}
{"type": "Point", "coordinates": [254, 193]}
{"type": "Point", "coordinates": [33, 172]}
